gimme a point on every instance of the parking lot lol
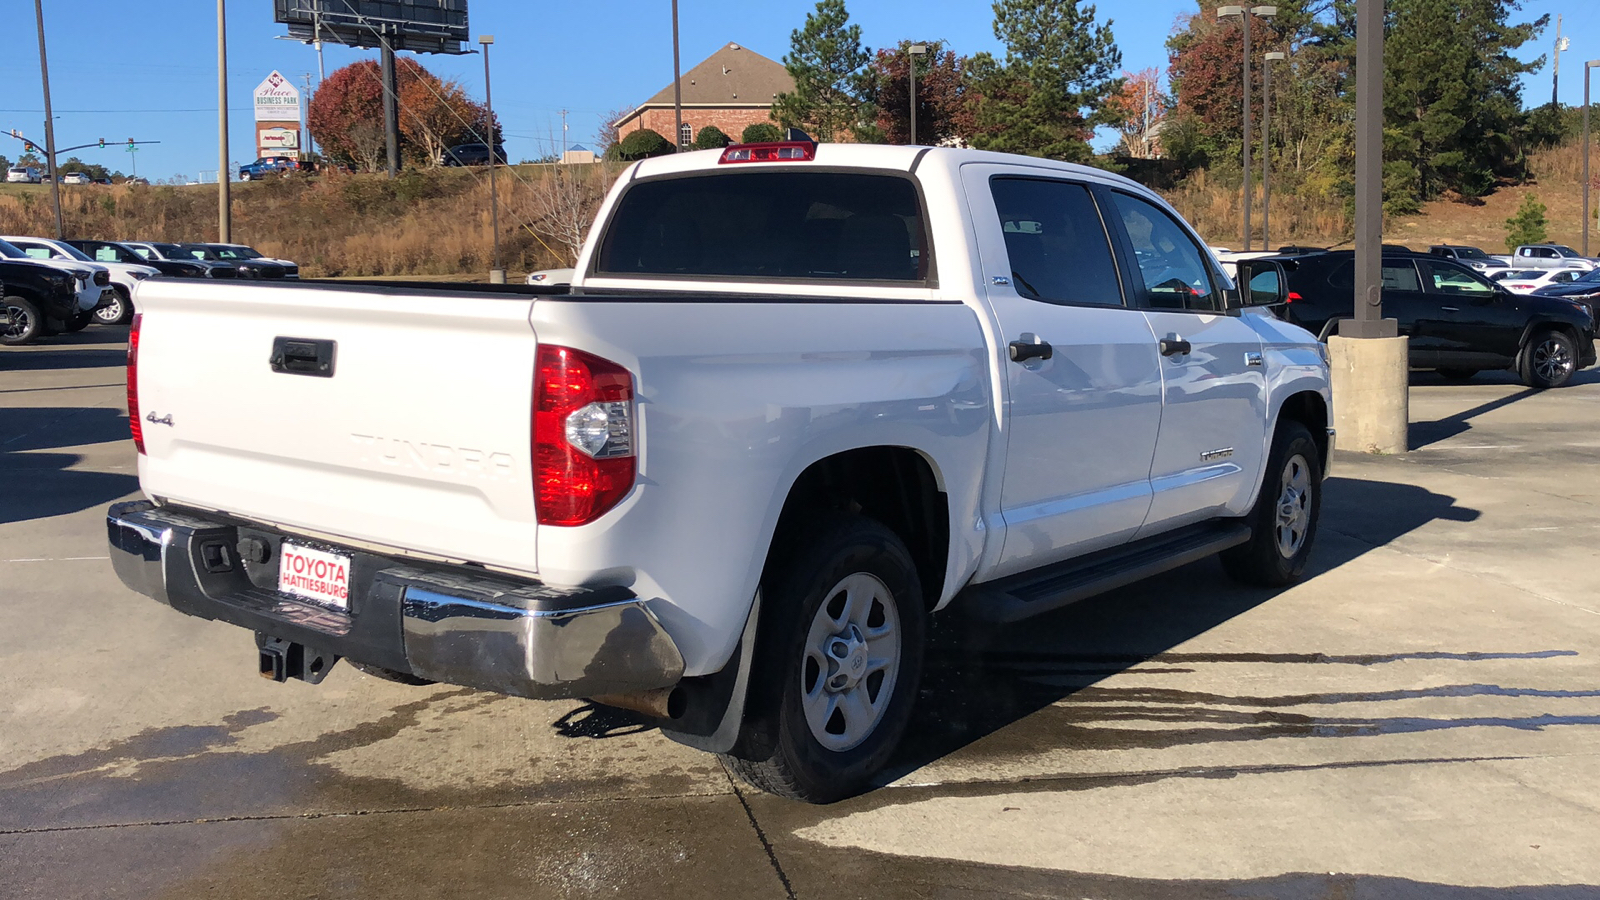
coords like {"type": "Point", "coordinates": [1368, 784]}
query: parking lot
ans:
{"type": "Point", "coordinates": [1419, 718]}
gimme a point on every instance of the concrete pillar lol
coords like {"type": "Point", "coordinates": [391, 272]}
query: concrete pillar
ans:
{"type": "Point", "coordinates": [1371, 405]}
{"type": "Point", "coordinates": [497, 276]}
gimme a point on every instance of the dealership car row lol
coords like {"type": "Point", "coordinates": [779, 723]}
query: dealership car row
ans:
{"type": "Point", "coordinates": [53, 286]}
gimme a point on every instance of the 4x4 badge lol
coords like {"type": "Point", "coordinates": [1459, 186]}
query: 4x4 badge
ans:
{"type": "Point", "coordinates": [164, 420]}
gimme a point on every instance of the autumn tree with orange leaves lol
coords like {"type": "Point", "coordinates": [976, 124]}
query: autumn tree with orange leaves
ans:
{"type": "Point", "coordinates": [1136, 111]}
{"type": "Point", "coordinates": [435, 114]}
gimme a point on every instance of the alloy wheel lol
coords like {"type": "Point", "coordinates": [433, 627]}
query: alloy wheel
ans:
{"type": "Point", "coordinates": [1294, 506]}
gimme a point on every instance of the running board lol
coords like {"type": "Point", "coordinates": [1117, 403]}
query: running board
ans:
{"type": "Point", "coordinates": [1031, 593]}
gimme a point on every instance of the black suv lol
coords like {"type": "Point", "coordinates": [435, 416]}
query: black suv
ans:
{"type": "Point", "coordinates": [472, 155]}
{"type": "Point", "coordinates": [1459, 323]}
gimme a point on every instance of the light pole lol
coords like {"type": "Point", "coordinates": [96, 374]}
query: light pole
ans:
{"type": "Point", "coordinates": [497, 274]}
{"type": "Point", "coordinates": [49, 125]}
{"type": "Point", "coordinates": [677, 89]}
{"type": "Point", "coordinates": [1245, 13]}
{"type": "Point", "coordinates": [912, 52]}
{"type": "Point", "coordinates": [224, 201]}
{"type": "Point", "coordinates": [1588, 67]}
{"type": "Point", "coordinates": [1266, 146]}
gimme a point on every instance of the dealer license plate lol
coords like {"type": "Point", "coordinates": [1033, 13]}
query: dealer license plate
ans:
{"type": "Point", "coordinates": [316, 575]}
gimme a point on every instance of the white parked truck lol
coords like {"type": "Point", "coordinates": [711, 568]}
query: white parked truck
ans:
{"type": "Point", "coordinates": [796, 399]}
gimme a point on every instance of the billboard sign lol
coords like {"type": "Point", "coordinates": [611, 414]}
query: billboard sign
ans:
{"type": "Point", "coordinates": [421, 26]}
{"type": "Point", "coordinates": [277, 138]}
{"type": "Point", "coordinates": [277, 100]}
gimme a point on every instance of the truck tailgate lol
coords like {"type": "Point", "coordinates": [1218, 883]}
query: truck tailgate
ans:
{"type": "Point", "coordinates": [419, 438]}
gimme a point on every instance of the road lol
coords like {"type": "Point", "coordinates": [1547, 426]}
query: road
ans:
{"type": "Point", "coordinates": [1419, 718]}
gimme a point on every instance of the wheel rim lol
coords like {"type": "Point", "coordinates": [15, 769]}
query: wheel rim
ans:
{"type": "Point", "coordinates": [110, 313]}
{"type": "Point", "coordinates": [1551, 360]}
{"type": "Point", "coordinates": [1294, 506]}
{"type": "Point", "coordinates": [17, 322]}
{"type": "Point", "coordinates": [852, 659]}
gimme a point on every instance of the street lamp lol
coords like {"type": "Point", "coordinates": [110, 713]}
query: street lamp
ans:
{"type": "Point", "coordinates": [1266, 146]}
{"type": "Point", "coordinates": [497, 274]}
{"type": "Point", "coordinates": [914, 51]}
{"type": "Point", "coordinates": [1588, 67]}
{"type": "Point", "coordinates": [1245, 13]}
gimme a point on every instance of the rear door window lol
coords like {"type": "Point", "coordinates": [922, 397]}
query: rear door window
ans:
{"type": "Point", "coordinates": [826, 226]}
{"type": "Point", "coordinates": [1056, 242]}
{"type": "Point", "coordinates": [1454, 280]}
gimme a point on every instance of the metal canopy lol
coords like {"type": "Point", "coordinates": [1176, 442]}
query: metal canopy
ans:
{"type": "Point", "coordinates": [420, 26]}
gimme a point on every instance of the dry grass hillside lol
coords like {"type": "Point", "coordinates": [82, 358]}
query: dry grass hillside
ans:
{"type": "Point", "coordinates": [433, 222]}
{"type": "Point", "coordinates": [436, 222]}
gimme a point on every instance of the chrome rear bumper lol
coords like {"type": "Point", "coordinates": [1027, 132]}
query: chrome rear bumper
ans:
{"type": "Point", "coordinates": [453, 624]}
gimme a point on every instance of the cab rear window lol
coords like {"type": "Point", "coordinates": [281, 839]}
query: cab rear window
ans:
{"type": "Point", "coordinates": [826, 226]}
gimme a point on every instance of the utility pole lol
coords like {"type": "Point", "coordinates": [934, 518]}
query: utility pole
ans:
{"type": "Point", "coordinates": [1245, 13]}
{"type": "Point", "coordinates": [1266, 146]}
{"type": "Point", "coordinates": [497, 274]}
{"type": "Point", "coordinates": [1555, 70]}
{"type": "Point", "coordinates": [391, 107]}
{"type": "Point", "coordinates": [1369, 358]}
{"type": "Point", "coordinates": [677, 86]}
{"type": "Point", "coordinates": [1588, 68]}
{"type": "Point", "coordinates": [316, 28]}
{"type": "Point", "coordinates": [224, 199]}
{"type": "Point", "coordinates": [49, 124]}
{"type": "Point", "coordinates": [562, 151]}
{"type": "Point", "coordinates": [914, 51]}
{"type": "Point", "coordinates": [305, 115]}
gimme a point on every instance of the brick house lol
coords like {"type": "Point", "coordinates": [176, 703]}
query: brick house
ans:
{"type": "Point", "coordinates": [732, 89]}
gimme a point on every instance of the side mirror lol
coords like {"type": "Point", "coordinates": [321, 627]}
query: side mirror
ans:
{"type": "Point", "coordinates": [1262, 282]}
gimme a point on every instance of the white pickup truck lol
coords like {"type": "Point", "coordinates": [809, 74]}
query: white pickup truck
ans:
{"type": "Point", "coordinates": [796, 400]}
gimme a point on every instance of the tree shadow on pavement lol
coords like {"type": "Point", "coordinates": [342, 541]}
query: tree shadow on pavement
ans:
{"type": "Point", "coordinates": [981, 678]}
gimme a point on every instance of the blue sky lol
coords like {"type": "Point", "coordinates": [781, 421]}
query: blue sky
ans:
{"type": "Point", "coordinates": [148, 71]}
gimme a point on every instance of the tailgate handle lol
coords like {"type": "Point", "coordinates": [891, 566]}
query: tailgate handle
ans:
{"type": "Point", "coordinates": [302, 356]}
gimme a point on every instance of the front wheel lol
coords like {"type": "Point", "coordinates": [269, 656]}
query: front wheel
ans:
{"type": "Point", "coordinates": [20, 321]}
{"type": "Point", "coordinates": [843, 622]}
{"type": "Point", "coordinates": [1283, 523]}
{"type": "Point", "coordinates": [117, 311]}
{"type": "Point", "coordinates": [1549, 360]}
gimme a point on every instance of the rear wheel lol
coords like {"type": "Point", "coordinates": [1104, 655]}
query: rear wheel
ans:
{"type": "Point", "coordinates": [20, 321]}
{"type": "Point", "coordinates": [1549, 360]}
{"type": "Point", "coordinates": [1283, 522]}
{"type": "Point", "coordinates": [244, 176]}
{"type": "Point", "coordinates": [117, 311]}
{"type": "Point", "coordinates": [1458, 374]}
{"type": "Point", "coordinates": [841, 642]}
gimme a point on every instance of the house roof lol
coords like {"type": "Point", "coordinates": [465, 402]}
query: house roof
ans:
{"type": "Point", "coordinates": [733, 76]}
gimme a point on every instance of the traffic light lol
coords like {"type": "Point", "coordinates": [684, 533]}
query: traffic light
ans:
{"type": "Point", "coordinates": [27, 147]}
{"type": "Point", "coordinates": [102, 143]}
{"type": "Point", "coordinates": [130, 143]}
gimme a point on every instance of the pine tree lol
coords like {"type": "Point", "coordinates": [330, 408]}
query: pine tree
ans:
{"type": "Point", "coordinates": [1451, 97]}
{"type": "Point", "coordinates": [1528, 225]}
{"type": "Point", "coordinates": [1048, 95]}
{"type": "Point", "coordinates": [831, 84]}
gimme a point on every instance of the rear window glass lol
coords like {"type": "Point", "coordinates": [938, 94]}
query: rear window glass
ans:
{"type": "Point", "coordinates": [806, 226]}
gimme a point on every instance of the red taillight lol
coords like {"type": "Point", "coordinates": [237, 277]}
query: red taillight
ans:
{"type": "Point", "coordinates": [583, 437]}
{"type": "Point", "coordinates": [134, 425]}
{"type": "Point", "coordinates": [1293, 297]}
{"type": "Point", "coordinates": [776, 151]}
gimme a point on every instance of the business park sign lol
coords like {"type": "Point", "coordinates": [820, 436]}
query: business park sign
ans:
{"type": "Point", "coordinates": [277, 104]}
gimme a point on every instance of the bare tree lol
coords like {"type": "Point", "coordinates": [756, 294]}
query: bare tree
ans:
{"type": "Point", "coordinates": [563, 203]}
{"type": "Point", "coordinates": [368, 146]}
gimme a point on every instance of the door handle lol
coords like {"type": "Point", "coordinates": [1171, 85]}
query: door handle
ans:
{"type": "Point", "coordinates": [1175, 346]}
{"type": "Point", "coordinates": [1450, 308]}
{"type": "Point", "coordinates": [302, 356]}
{"type": "Point", "coordinates": [1022, 351]}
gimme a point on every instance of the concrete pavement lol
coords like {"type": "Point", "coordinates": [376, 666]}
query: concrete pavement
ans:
{"type": "Point", "coordinates": [1417, 719]}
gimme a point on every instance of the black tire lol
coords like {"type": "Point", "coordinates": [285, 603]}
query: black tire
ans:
{"type": "Point", "coordinates": [244, 176]}
{"type": "Point", "coordinates": [24, 323]}
{"type": "Point", "coordinates": [1458, 374]}
{"type": "Point", "coordinates": [1277, 551]}
{"type": "Point", "coordinates": [1549, 360]}
{"type": "Point", "coordinates": [117, 311]}
{"type": "Point", "coordinates": [804, 596]}
{"type": "Point", "coordinates": [79, 322]}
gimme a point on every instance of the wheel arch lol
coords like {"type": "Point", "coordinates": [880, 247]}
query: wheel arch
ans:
{"type": "Point", "coordinates": [897, 486]}
{"type": "Point", "coordinates": [1310, 409]}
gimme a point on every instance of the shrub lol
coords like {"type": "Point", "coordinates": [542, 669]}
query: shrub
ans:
{"type": "Point", "coordinates": [760, 133]}
{"type": "Point", "coordinates": [711, 138]}
{"type": "Point", "coordinates": [1528, 225]}
{"type": "Point", "coordinates": [643, 144]}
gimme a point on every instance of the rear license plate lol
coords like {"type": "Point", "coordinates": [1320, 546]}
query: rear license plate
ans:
{"type": "Point", "coordinates": [317, 576]}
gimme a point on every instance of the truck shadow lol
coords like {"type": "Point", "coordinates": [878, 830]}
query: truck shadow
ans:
{"type": "Point", "coordinates": [40, 484]}
{"type": "Point", "coordinates": [981, 679]}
